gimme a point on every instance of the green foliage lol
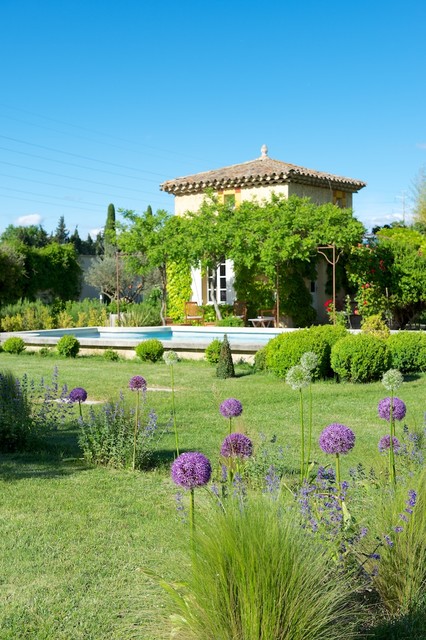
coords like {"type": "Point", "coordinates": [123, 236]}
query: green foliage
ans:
{"type": "Point", "coordinates": [230, 321]}
{"type": "Point", "coordinates": [360, 358]}
{"type": "Point", "coordinates": [15, 415]}
{"type": "Point", "coordinates": [111, 355]}
{"type": "Point", "coordinates": [14, 345]}
{"type": "Point", "coordinates": [142, 314]}
{"type": "Point", "coordinates": [213, 350]}
{"type": "Point", "coordinates": [150, 350]}
{"type": "Point", "coordinates": [68, 346]}
{"type": "Point", "coordinates": [260, 359]}
{"type": "Point", "coordinates": [12, 273]}
{"type": "Point", "coordinates": [285, 351]}
{"type": "Point", "coordinates": [107, 435]}
{"type": "Point", "coordinates": [178, 289]}
{"type": "Point", "coordinates": [225, 365]}
{"type": "Point", "coordinates": [408, 351]}
{"type": "Point", "coordinates": [110, 239]}
{"type": "Point", "coordinates": [375, 326]}
{"type": "Point", "coordinates": [253, 573]}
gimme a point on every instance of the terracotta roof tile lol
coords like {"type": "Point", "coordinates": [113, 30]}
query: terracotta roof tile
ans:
{"type": "Point", "coordinates": [262, 171]}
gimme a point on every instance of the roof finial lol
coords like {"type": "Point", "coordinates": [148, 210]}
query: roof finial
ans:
{"type": "Point", "coordinates": [264, 151]}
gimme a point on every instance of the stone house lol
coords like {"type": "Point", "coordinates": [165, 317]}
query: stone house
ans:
{"type": "Point", "coordinates": [258, 179]}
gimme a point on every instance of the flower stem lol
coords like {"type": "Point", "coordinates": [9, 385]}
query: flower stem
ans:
{"type": "Point", "coordinates": [302, 440]}
{"type": "Point", "coordinates": [135, 436]}
{"type": "Point", "coordinates": [79, 406]}
{"type": "Point", "coordinates": [192, 518]}
{"type": "Point", "coordinates": [174, 410]}
{"type": "Point", "coordinates": [338, 477]}
{"type": "Point", "coordinates": [308, 457]}
{"type": "Point", "coordinates": [392, 471]}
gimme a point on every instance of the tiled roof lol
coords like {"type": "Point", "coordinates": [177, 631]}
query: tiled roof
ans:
{"type": "Point", "coordinates": [260, 172]}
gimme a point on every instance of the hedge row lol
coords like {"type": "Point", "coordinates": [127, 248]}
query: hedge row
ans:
{"type": "Point", "coordinates": [358, 358]}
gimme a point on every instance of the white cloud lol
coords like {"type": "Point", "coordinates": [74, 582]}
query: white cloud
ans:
{"type": "Point", "coordinates": [94, 232]}
{"type": "Point", "coordinates": [26, 221]}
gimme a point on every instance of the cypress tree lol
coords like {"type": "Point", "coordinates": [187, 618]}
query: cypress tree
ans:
{"type": "Point", "coordinates": [225, 366]}
{"type": "Point", "coordinates": [110, 245]}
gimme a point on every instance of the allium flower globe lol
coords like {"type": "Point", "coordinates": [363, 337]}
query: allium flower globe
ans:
{"type": "Point", "coordinates": [237, 445]}
{"type": "Point", "coordinates": [190, 470]}
{"type": "Point", "coordinates": [298, 377]}
{"type": "Point", "coordinates": [337, 438]}
{"type": "Point", "coordinates": [170, 358]}
{"type": "Point", "coordinates": [137, 383]}
{"type": "Point", "coordinates": [309, 360]}
{"type": "Point", "coordinates": [392, 379]}
{"type": "Point", "coordinates": [398, 409]}
{"type": "Point", "coordinates": [78, 395]}
{"type": "Point", "coordinates": [384, 443]}
{"type": "Point", "coordinates": [231, 408]}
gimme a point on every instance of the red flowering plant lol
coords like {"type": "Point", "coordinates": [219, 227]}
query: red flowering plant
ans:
{"type": "Point", "coordinates": [368, 272]}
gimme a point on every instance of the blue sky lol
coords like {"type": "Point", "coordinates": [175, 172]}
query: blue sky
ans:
{"type": "Point", "coordinates": [101, 101]}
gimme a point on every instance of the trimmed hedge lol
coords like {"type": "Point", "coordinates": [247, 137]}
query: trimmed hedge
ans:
{"type": "Point", "coordinates": [360, 358]}
{"type": "Point", "coordinates": [150, 350]}
{"type": "Point", "coordinates": [212, 352]}
{"type": "Point", "coordinates": [68, 346]}
{"type": "Point", "coordinates": [14, 345]}
{"type": "Point", "coordinates": [285, 351]}
{"type": "Point", "coordinates": [408, 351]}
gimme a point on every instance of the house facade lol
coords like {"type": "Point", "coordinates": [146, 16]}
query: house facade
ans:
{"type": "Point", "coordinates": [258, 179]}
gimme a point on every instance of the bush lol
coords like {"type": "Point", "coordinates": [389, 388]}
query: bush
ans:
{"type": "Point", "coordinates": [285, 351]}
{"type": "Point", "coordinates": [225, 366]}
{"type": "Point", "coordinates": [260, 359]}
{"type": "Point", "coordinates": [230, 321]}
{"type": "Point", "coordinates": [360, 358]}
{"type": "Point", "coordinates": [111, 355]}
{"type": "Point", "coordinates": [150, 350]}
{"type": "Point", "coordinates": [14, 345]}
{"type": "Point", "coordinates": [45, 352]}
{"type": "Point", "coordinates": [15, 415]}
{"type": "Point", "coordinates": [375, 326]}
{"type": "Point", "coordinates": [68, 346]}
{"type": "Point", "coordinates": [212, 352]}
{"type": "Point", "coordinates": [107, 436]}
{"type": "Point", "coordinates": [408, 351]}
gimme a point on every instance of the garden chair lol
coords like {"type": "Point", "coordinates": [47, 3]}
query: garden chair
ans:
{"type": "Point", "coordinates": [193, 312]}
{"type": "Point", "coordinates": [240, 310]}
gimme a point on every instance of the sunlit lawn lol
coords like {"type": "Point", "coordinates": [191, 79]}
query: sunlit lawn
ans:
{"type": "Point", "coordinates": [73, 537]}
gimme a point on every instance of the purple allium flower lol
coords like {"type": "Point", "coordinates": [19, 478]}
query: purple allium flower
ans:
{"type": "Point", "coordinates": [384, 443]}
{"type": "Point", "coordinates": [236, 445]}
{"type": "Point", "coordinates": [398, 409]}
{"type": "Point", "coordinates": [78, 395]}
{"type": "Point", "coordinates": [336, 438]}
{"type": "Point", "coordinates": [231, 408]}
{"type": "Point", "coordinates": [191, 469]}
{"type": "Point", "coordinates": [137, 383]}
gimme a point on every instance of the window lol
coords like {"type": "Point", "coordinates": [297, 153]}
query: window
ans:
{"type": "Point", "coordinates": [221, 284]}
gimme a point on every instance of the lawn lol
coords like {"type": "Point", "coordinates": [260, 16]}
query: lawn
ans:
{"type": "Point", "coordinates": [73, 536]}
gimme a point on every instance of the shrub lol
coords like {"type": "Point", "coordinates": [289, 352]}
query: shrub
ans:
{"type": "Point", "coordinates": [212, 352]}
{"type": "Point", "coordinates": [14, 345]}
{"type": "Point", "coordinates": [285, 351]}
{"type": "Point", "coordinates": [15, 415]}
{"type": "Point", "coordinates": [107, 436]}
{"type": "Point", "coordinates": [408, 351]}
{"type": "Point", "coordinates": [375, 325]}
{"type": "Point", "coordinates": [230, 321]}
{"type": "Point", "coordinates": [360, 358]}
{"type": "Point", "coordinates": [150, 350]}
{"type": "Point", "coordinates": [260, 359]}
{"type": "Point", "coordinates": [68, 346]}
{"type": "Point", "coordinates": [225, 366]}
{"type": "Point", "coordinates": [111, 355]}
{"type": "Point", "coordinates": [254, 573]}
{"type": "Point", "coordinates": [45, 352]}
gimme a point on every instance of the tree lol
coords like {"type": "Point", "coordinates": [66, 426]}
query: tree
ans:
{"type": "Point", "coordinates": [110, 239]}
{"type": "Point", "coordinates": [76, 241]}
{"type": "Point", "coordinates": [103, 275]}
{"type": "Point", "coordinates": [32, 236]}
{"type": "Point", "coordinates": [390, 275]}
{"type": "Point", "coordinates": [61, 235]}
{"type": "Point", "coordinates": [419, 197]}
{"type": "Point", "coordinates": [53, 272]}
{"type": "Point", "coordinates": [12, 273]}
{"type": "Point", "coordinates": [150, 241]}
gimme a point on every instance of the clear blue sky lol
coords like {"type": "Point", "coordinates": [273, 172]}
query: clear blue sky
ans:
{"type": "Point", "coordinates": [101, 101]}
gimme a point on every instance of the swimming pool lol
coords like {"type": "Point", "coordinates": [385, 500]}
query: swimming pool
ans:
{"type": "Point", "coordinates": [187, 340]}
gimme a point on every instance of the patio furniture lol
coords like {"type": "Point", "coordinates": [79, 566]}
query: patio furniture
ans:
{"type": "Point", "coordinates": [266, 318]}
{"type": "Point", "coordinates": [240, 310]}
{"type": "Point", "coordinates": [193, 312]}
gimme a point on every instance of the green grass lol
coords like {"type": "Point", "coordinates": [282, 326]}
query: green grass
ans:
{"type": "Point", "coordinates": [73, 537]}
